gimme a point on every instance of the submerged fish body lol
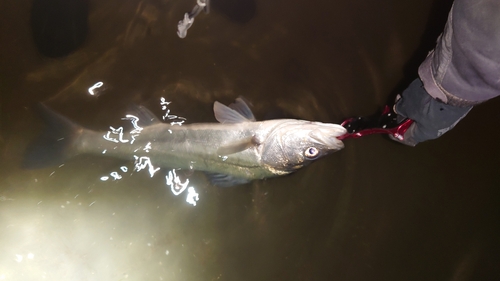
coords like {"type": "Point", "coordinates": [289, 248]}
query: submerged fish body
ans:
{"type": "Point", "coordinates": [234, 151]}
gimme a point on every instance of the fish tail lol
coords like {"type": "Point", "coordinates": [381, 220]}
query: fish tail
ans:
{"type": "Point", "coordinates": [55, 144]}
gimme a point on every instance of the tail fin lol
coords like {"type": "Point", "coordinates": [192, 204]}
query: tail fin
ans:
{"type": "Point", "coordinates": [54, 145]}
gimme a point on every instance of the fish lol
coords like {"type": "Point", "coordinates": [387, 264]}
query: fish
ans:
{"type": "Point", "coordinates": [234, 151]}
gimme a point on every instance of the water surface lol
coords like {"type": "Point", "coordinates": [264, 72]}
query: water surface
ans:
{"type": "Point", "coordinates": [376, 210]}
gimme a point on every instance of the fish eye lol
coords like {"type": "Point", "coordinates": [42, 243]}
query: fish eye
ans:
{"type": "Point", "coordinates": [311, 153]}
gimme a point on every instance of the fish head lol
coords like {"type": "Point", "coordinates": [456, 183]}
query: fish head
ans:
{"type": "Point", "coordinates": [297, 143]}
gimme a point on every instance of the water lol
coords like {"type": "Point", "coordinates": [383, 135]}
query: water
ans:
{"type": "Point", "coordinates": [373, 211]}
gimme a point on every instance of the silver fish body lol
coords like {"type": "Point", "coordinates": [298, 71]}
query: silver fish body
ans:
{"type": "Point", "coordinates": [239, 148]}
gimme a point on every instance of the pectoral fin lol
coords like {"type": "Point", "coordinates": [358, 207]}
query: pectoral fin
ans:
{"type": "Point", "coordinates": [237, 146]}
{"type": "Point", "coordinates": [223, 180]}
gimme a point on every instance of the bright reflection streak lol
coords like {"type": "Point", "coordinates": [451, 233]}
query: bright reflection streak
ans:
{"type": "Point", "coordinates": [133, 119]}
{"type": "Point", "coordinates": [148, 147]}
{"type": "Point", "coordinates": [184, 24]}
{"type": "Point", "coordinates": [167, 115]}
{"type": "Point", "coordinates": [133, 134]}
{"type": "Point", "coordinates": [175, 183]}
{"type": "Point", "coordinates": [118, 132]}
{"type": "Point", "coordinates": [108, 138]}
{"type": "Point", "coordinates": [115, 175]}
{"type": "Point", "coordinates": [164, 104]}
{"type": "Point", "coordinates": [177, 122]}
{"type": "Point", "coordinates": [143, 162]}
{"type": "Point", "coordinates": [116, 135]}
{"type": "Point", "coordinates": [133, 139]}
{"type": "Point", "coordinates": [192, 196]}
{"type": "Point", "coordinates": [95, 86]}
{"type": "Point", "coordinates": [178, 187]}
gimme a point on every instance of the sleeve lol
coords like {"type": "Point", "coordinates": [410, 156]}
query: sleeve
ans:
{"type": "Point", "coordinates": [464, 67]}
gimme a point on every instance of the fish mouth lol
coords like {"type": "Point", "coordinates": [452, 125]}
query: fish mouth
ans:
{"type": "Point", "coordinates": [328, 135]}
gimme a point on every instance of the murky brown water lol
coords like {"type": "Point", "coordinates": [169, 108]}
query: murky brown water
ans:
{"type": "Point", "coordinates": [373, 211]}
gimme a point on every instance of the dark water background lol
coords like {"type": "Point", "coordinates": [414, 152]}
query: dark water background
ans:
{"type": "Point", "coordinates": [376, 210]}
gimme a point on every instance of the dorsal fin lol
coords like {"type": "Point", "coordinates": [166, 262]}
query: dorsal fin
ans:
{"type": "Point", "coordinates": [241, 106]}
{"type": "Point", "coordinates": [237, 112]}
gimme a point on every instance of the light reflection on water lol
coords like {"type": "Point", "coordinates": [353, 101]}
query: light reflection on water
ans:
{"type": "Point", "coordinates": [93, 89]}
{"type": "Point", "coordinates": [144, 162]}
{"type": "Point", "coordinates": [373, 211]}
